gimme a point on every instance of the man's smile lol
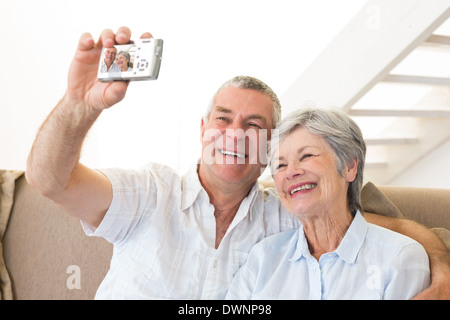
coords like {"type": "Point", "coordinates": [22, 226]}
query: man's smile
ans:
{"type": "Point", "coordinates": [233, 154]}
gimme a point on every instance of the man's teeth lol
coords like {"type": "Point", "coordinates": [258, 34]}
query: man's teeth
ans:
{"type": "Point", "coordinates": [234, 154]}
{"type": "Point", "coordinates": [308, 186]}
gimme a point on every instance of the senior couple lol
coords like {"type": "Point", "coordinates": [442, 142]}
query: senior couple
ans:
{"type": "Point", "coordinates": [115, 62]}
{"type": "Point", "coordinates": [216, 233]}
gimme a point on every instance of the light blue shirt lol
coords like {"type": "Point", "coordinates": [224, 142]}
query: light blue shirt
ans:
{"type": "Point", "coordinates": [370, 263]}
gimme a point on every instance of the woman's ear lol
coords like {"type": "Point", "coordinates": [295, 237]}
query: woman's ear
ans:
{"type": "Point", "coordinates": [351, 171]}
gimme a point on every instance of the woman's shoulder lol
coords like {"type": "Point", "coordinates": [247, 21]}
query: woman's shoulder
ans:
{"type": "Point", "coordinates": [380, 236]}
{"type": "Point", "coordinates": [277, 243]}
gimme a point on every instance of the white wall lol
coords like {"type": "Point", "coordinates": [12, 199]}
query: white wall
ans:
{"type": "Point", "coordinates": [433, 171]}
{"type": "Point", "coordinates": [206, 43]}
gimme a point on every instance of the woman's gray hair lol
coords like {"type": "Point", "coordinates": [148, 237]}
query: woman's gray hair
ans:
{"type": "Point", "coordinates": [339, 131]}
{"type": "Point", "coordinates": [126, 55]}
{"type": "Point", "coordinates": [247, 82]}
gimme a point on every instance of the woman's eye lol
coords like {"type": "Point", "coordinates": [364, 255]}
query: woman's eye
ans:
{"type": "Point", "coordinates": [306, 156]}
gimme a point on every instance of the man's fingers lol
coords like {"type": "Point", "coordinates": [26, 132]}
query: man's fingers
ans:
{"type": "Point", "coordinates": [116, 92]}
{"type": "Point", "coordinates": [123, 35]}
{"type": "Point", "coordinates": [107, 39]}
{"type": "Point", "coordinates": [86, 42]}
{"type": "Point", "coordinates": [146, 35]}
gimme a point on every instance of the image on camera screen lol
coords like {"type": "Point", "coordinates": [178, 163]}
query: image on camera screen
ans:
{"type": "Point", "coordinates": [139, 60]}
{"type": "Point", "coordinates": [118, 59]}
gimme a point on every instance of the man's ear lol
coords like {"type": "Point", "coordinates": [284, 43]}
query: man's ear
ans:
{"type": "Point", "coordinates": [202, 129]}
{"type": "Point", "coordinates": [351, 171]}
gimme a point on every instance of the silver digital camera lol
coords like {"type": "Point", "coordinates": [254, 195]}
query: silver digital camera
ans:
{"type": "Point", "coordinates": [139, 60]}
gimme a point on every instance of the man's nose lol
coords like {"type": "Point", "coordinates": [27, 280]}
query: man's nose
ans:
{"type": "Point", "coordinates": [235, 132]}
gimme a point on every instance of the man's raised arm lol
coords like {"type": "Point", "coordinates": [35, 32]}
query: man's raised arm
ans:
{"type": "Point", "coordinates": [53, 164]}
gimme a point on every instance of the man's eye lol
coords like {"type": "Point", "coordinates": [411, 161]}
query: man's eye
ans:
{"type": "Point", "coordinates": [255, 125]}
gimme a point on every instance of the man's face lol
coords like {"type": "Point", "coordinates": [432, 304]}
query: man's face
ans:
{"type": "Point", "coordinates": [110, 55]}
{"type": "Point", "coordinates": [234, 139]}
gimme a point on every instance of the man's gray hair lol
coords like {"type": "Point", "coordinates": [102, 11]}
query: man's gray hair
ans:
{"type": "Point", "coordinates": [247, 82]}
{"type": "Point", "coordinates": [340, 132]}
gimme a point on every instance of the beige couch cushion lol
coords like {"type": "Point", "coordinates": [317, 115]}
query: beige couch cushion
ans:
{"type": "Point", "coordinates": [428, 206]}
{"type": "Point", "coordinates": [47, 252]}
{"type": "Point", "coordinates": [374, 201]}
{"type": "Point", "coordinates": [7, 187]}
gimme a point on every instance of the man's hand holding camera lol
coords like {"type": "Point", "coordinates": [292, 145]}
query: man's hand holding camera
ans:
{"type": "Point", "coordinates": [56, 150]}
{"type": "Point", "coordinates": [83, 85]}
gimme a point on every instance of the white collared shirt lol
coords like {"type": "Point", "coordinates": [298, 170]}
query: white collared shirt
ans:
{"type": "Point", "coordinates": [163, 230]}
{"type": "Point", "coordinates": [113, 68]}
{"type": "Point", "coordinates": [370, 263]}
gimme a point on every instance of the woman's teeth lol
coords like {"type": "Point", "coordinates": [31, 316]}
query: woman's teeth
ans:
{"type": "Point", "coordinates": [307, 186]}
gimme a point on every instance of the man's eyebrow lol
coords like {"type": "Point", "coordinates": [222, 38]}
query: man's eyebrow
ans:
{"type": "Point", "coordinates": [250, 117]}
{"type": "Point", "coordinates": [257, 117]}
{"type": "Point", "coordinates": [222, 109]}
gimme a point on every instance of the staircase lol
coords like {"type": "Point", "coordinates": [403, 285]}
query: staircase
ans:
{"type": "Point", "coordinates": [389, 69]}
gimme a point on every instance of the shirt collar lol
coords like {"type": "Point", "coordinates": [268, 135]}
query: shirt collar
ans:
{"type": "Point", "coordinates": [347, 250]}
{"type": "Point", "coordinates": [300, 245]}
{"type": "Point", "coordinates": [353, 240]}
{"type": "Point", "coordinates": [192, 188]}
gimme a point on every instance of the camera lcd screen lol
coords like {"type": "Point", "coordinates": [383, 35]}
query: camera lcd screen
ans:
{"type": "Point", "coordinates": [118, 59]}
{"type": "Point", "coordinates": [139, 60]}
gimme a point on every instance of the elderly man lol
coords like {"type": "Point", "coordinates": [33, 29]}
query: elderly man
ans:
{"type": "Point", "coordinates": [175, 237]}
{"type": "Point", "coordinates": [108, 64]}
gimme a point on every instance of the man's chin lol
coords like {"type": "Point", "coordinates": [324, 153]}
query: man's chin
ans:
{"type": "Point", "coordinates": [236, 173]}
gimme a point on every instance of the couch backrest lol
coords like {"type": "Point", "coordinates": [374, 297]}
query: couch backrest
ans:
{"type": "Point", "coordinates": [431, 207]}
{"type": "Point", "coordinates": [47, 254]}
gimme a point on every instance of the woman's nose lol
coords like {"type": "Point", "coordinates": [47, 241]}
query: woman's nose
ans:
{"type": "Point", "coordinates": [294, 170]}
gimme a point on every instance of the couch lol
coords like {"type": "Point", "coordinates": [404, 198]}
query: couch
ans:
{"type": "Point", "coordinates": [48, 256]}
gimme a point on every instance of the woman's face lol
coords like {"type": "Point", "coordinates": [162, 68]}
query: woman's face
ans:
{"type": "Point", "coordinates": [306, 175]}
{"type": "Point", "coordinates": [122, 62]}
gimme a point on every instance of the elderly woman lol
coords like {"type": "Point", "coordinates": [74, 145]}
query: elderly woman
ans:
{"type": "Point", "coordinates": [123, 61]}
{"type": "Point", "coordinates": [318, 171]}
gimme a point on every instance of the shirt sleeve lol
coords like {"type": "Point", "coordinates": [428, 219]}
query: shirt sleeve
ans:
{"type": "Point", "coordinates": [410, 273]}
{"type": "Point", "coordinates": [134, 198]}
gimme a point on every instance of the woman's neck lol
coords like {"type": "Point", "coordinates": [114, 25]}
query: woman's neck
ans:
{"type": "Point", "coordinates": [325, 232]}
